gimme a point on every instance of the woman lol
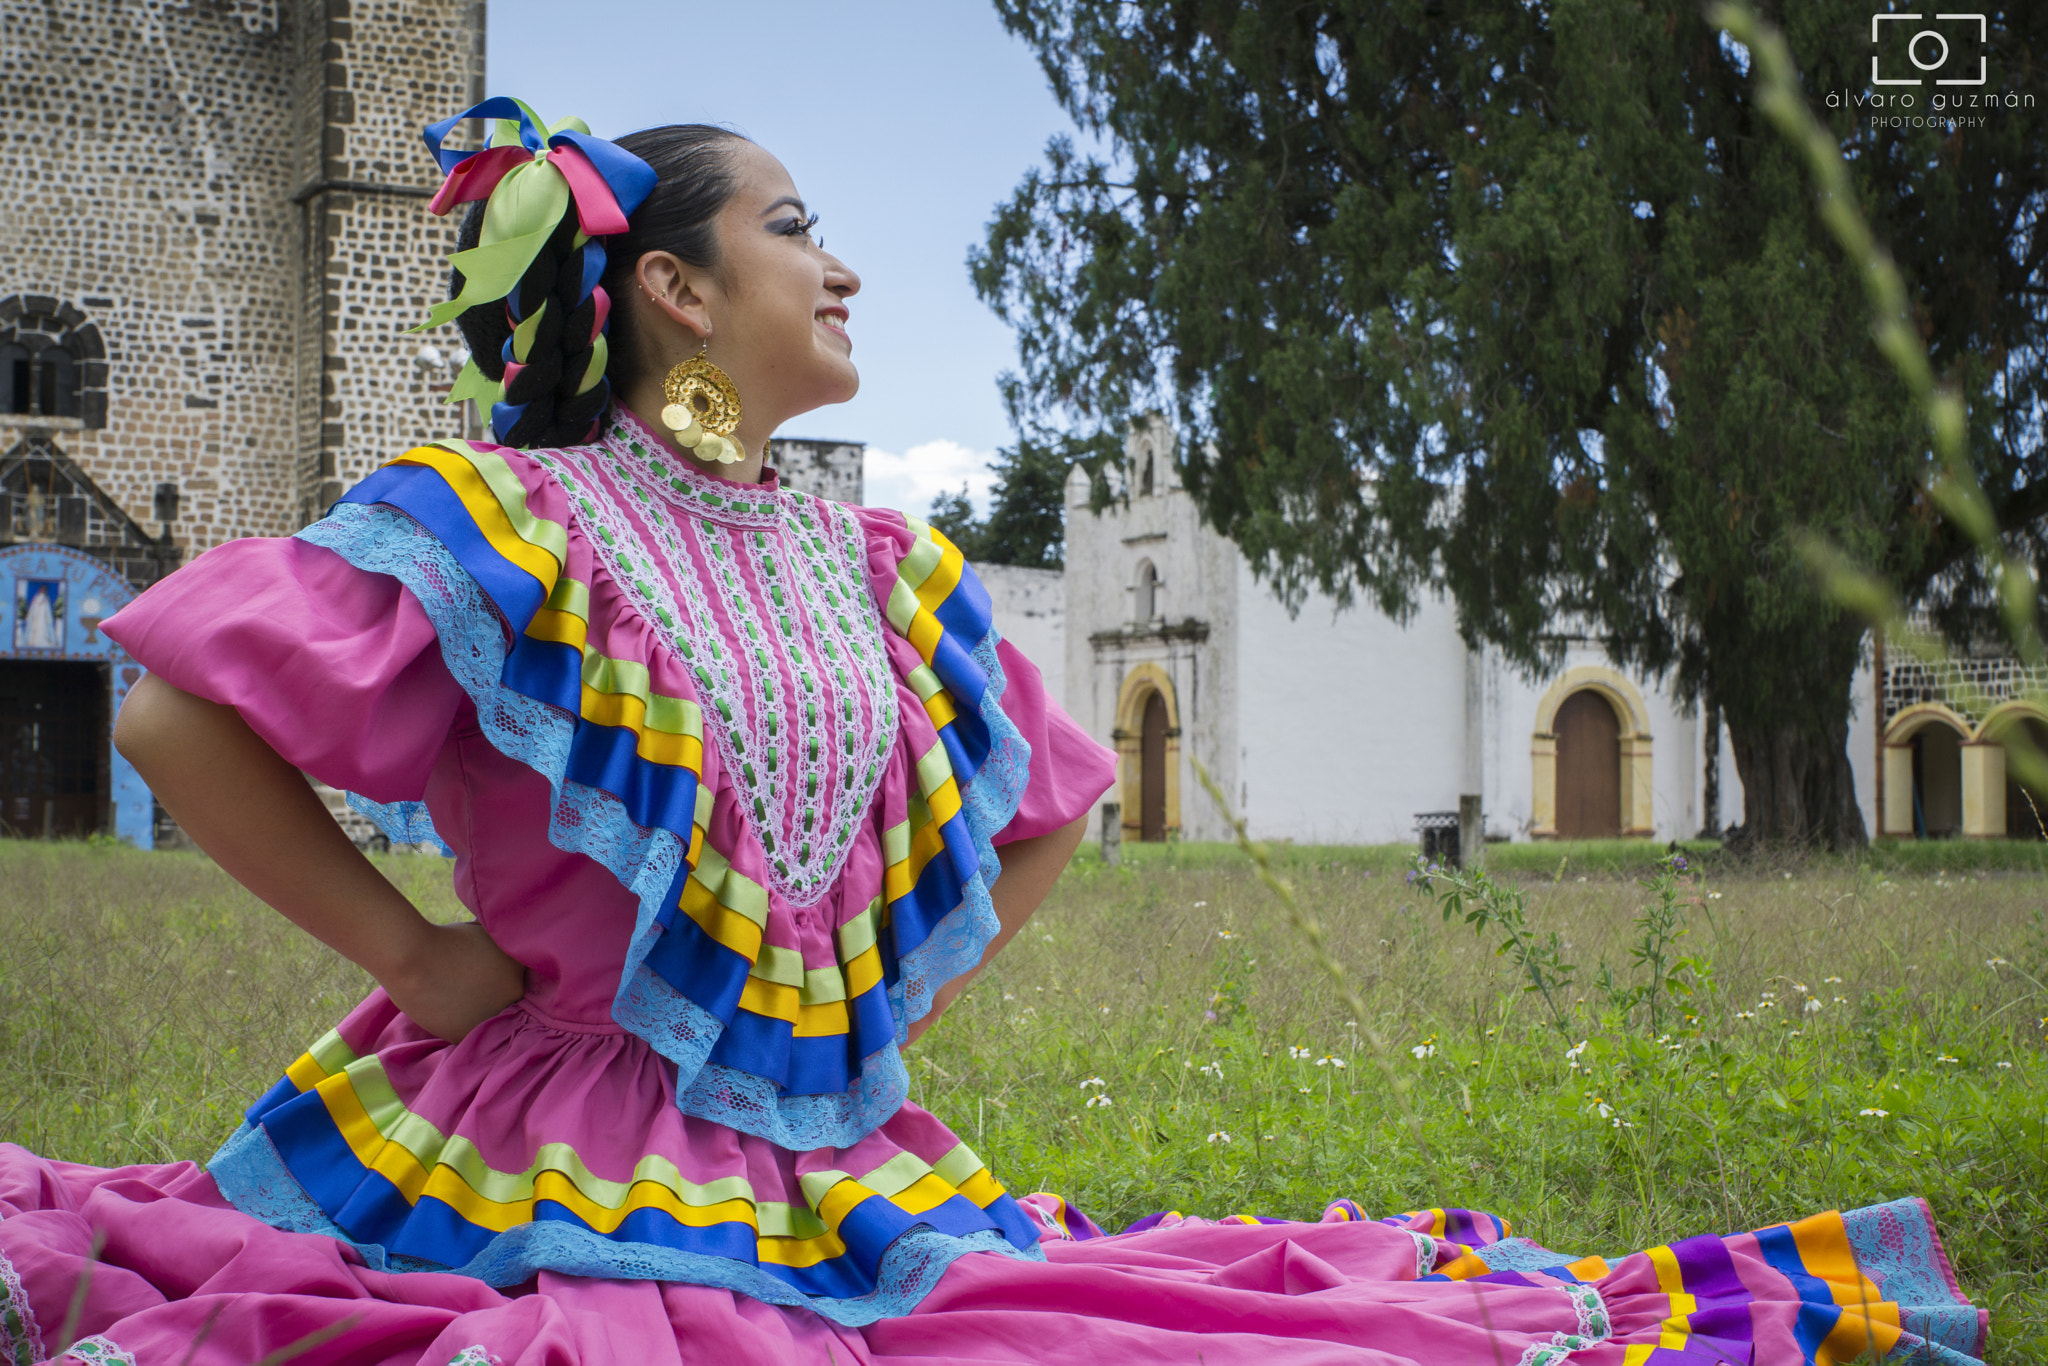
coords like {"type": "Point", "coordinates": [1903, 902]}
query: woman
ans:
{"type": "Point", "coordinates": [742, 789]}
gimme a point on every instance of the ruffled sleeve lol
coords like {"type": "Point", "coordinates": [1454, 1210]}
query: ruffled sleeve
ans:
{"type": "Point", "coordinates": [335, 668]}
{"type": "Point", "coordinates": [1069, 770]}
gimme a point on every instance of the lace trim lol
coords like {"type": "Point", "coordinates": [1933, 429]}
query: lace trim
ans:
{"type": "Point", "coordinates": [989, 800]}
{"type": "Point", "coordinates": [1593, 1328]}
{"type": "Point", "coordinates": [1896, 1247]}
{"type": "Point", "coordinates": [1425, 1253]}
{"type": "Point", "coordinates": [99, 1351]}
{"type": "Point", "coordinates": [777, 751]}
{"type": "Point", "coordinates": [254, 1179]}
{"type": "Point", "coordinates": [20, 1341]}
{"type": "Point", "coordinates": [401, 822]}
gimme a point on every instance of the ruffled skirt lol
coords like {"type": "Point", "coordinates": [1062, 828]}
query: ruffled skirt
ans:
{"type": "Point", "coordinates": [180, 1275]}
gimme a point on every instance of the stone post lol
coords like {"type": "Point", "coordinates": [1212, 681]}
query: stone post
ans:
{"type": "Point", "coordinates": [1112, 833]}
{"type": "Point", "coordinates": [1471, 831]}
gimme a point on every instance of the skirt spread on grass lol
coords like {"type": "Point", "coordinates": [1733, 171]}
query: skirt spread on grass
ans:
{"type": "Point", "coordinates": [152, 1265]}
{"type": "Point", "coordinates": [733, 888]}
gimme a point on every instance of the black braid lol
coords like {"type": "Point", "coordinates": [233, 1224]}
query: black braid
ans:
{"type": "Point", "coordinates": [693, 163]}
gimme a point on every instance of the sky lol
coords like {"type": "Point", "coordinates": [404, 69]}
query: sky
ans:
{"type": "Point", "coordinates": [904, 124]}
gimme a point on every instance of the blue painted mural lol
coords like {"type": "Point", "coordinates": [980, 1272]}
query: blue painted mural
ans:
{"type": "Point", "coordinates": [58, 598]}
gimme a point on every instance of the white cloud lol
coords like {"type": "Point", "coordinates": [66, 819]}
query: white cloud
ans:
{"type": "Point", "coordinates": [908, 482]}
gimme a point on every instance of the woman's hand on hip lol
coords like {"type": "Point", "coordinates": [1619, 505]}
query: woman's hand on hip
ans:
{"type": "Point", "coordinates": [454, 978]}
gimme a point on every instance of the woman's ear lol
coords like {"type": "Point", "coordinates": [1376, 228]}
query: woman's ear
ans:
{"type": "Point", "coordinates": [669, 288]}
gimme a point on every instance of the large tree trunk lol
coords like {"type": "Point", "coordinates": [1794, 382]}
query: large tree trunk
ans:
{"type": "Point", "coordinates": [1797, 787]}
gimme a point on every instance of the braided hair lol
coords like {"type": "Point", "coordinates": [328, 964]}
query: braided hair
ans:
{"type": "Point", "coordinates": [542, 342]}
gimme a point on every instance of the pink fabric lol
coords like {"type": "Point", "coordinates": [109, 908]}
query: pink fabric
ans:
{"type": "Point", "coordinates": [338, 670]}
{"type": "Point", "coordinates": [1069, 770]}
{"type": "Point", "coordinates": [177, 1258]}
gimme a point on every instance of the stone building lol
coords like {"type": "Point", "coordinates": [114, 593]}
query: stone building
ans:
{"type": "Point", "coordinates": [1342, 727]}
{"type": "Point", "coordinates": [1942, 752]}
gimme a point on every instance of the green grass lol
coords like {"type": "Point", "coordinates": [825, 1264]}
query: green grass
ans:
{"type": "Point", "coordinates": [144, 1000]}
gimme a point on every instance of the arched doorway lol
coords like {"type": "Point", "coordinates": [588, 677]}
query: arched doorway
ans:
{"type": "Point", "coordinates": [1937, 783]}
{"type": "Point", "coordinates": [53, 738]}
{"type": "Point", "coordinates": [1147, 739]}
{"type": "Point", "coordinates": [1588, 767]}
{"type": "Point", "coordinates": [61, 682]}
{"type": "Point", "coordinates": [2026, 808]}
{"type": "Point", "coordinates": [1152, 767]}
{"type": "Point", "coordinates": [1590, 763]}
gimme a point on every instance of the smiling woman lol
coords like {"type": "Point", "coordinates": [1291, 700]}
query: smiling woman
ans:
{"type": "Point", "coordinates": [742, 789]}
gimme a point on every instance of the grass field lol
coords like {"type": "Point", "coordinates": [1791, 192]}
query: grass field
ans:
{"type": "Point", "coordinates": [1854, 1031]}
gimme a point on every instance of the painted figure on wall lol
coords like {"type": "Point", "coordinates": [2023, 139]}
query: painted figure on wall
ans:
{"type": "Point", "coordinates": [39, 614]}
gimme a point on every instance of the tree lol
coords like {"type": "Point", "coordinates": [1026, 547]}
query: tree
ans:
{"type": "Point", "coordinates": [1523, 302]}
{"type": "Point", "coordinates": [1026, 521]}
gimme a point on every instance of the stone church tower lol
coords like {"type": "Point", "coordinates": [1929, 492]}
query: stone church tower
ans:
{"type": "Point", "coordinates": [213, 237]}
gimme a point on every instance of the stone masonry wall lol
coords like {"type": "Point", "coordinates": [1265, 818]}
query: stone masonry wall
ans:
{"type": "Point", "coordinates": [146, 182]}
{"type": "Point", "coordinates": [232, 192]}
{"type": "Point", "coordinates": [371, 74]}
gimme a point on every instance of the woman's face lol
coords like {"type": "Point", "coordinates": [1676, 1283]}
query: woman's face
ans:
{"type": "Point", "coordinates": [776, 303]}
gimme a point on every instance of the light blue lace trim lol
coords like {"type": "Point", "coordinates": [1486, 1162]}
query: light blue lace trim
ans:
{"type": "Point", "coordinates": [401, 822]}
{"type": "Point", "coordinates": [1895, 1247]}
{"type": "Point", "coordinates": [591, 822]}
{"type": "Point", "coordinates": [255, 1180]}
{"type": "Point", "coordinates": [1521, 1254]}
{"type": "Point", "coordinates": [989, 800]}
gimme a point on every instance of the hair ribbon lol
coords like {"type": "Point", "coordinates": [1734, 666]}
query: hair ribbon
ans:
{"type": "Point", "coordinates": [529, 176]}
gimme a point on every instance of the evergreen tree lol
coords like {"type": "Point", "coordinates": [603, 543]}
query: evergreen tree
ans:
{"type": "Point", "coordinates": [1026, 522]}
{"type": "Point", "coordinates": [1522, 301]}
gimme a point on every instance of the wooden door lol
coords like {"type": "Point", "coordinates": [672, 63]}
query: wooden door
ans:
{"type": "Point", "coordinates": [1152, 772]}
{"type": "Point", "coordinates": [2026, 813]}
{"type": "Point", "coordinates": [53, 738]}
{"type": "Point", "coordinates": [1588, 768]}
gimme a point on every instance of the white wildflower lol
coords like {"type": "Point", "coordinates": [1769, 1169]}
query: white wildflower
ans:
{"type": "Point", "coordinates": [1423, 1050]}
{"type": "Point", "coordinates": [1097, 1082]}
{"type": "Point", "coordinates": [1832, 981]}
{"type": "Point", "coordinates": [1226, 934]}
{"type": "Point", "coordinates": [1219, 1137]}
{"type": "Point", "coordinates": [1104, 1101]}
{"type": "Point", "coordinates": [1330, 1060]}
{"type": "Point", "coordinates": [1213, 1069]}
{"type": "Point", "coordinates": [1943, 1057]}
{"type": "Point", "coordinates": [1813, 1006]}
{"type": "Point", "coordinates": [2004, 1064]}
{"type": "Point", "coordinates": [1873, 1114]}
{"type": "Point", "coordinates": [1297, 1053]}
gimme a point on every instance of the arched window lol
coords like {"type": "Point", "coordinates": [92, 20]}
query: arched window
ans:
{"type": "Point", "coordinates": [52, 362]}
{"type": "Point", "coordinates": [1145, 476]}
{"type": "Point", "coordinates": [1145, 592]}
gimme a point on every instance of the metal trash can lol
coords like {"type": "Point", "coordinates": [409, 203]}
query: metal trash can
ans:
{"type": "Point", "coordinates": [1439, 832]}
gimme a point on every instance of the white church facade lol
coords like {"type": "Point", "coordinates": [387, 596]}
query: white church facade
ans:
{"type": "Point", "coordinates": [1342, 727]}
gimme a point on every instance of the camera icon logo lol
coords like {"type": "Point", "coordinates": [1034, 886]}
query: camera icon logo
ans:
{"type": "Point", "coordinates": [1938, 46]}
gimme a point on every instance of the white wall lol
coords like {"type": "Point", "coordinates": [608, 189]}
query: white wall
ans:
{"type": "Point", "coordinates": [1030, 609]}
{"type": "Point", "coordinates": [1348, 724]}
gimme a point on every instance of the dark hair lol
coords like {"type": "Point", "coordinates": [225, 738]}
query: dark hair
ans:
{"type": "Point", "coordinates": [695, 178]}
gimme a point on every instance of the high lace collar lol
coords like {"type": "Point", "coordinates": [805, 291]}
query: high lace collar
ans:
{"type": "Point", "coordinates": [645, 460]}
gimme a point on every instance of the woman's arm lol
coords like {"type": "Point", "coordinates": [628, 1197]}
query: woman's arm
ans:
{"type": "Point", "coordinates": [1030, 868]}
{"type": "Point", "coordinates": [262, 822]}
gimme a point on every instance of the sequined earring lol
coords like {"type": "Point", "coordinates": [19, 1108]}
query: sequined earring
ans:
{"type": "Point", "coordinates": [703, 408]}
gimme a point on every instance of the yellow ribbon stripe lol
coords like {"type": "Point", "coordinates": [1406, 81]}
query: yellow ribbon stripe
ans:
{"type": "Point", "coordinates": [420, 1162]}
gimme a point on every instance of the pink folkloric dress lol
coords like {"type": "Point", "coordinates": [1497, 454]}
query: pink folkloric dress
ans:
{"type": "Point", "coordinates": [729, 769]}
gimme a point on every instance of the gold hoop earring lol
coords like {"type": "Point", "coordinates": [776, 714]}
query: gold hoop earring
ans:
{"type": "Point", "coordinates": [703, 408]}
